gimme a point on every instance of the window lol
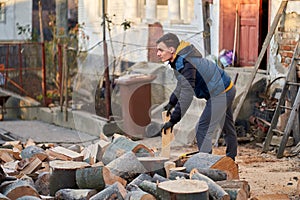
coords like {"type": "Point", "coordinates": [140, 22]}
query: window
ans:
{"type": "Point", "coordinates": [2, 11]}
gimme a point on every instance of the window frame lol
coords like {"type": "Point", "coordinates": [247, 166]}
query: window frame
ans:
{"type": "Point", "coordinates": [2, 12]}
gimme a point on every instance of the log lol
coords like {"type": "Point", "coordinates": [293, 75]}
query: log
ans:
{"type": "Point", "coordinates": [18, 189]}
{"type": "Point", "coordinates": [75, 194]}
{"type": "Point", "coordinates": [210, 161]}
{"type": "Point", "coordinates": [158, 178]}
{"type": "Point", "coordinates": [114, 191]}
{"type": "Point", "coordinates": [237, 194]}
{"type": "Point", "coordinates": [236, 185]}
{"type": "Point", "coordinates": [139, 195]}
{"type": "Point", "coordinates": [149, 187]}
{"type": "Point", "coordinates": [122, 145]}
{"type": "Point", "coordinates": [63, 174]}
{"type": "Point", "coordinates": [62, 153]}
{"type": "Point", "coordinates": [28, 197]}
{"type": "Point", "coordinates": [96, 178]}
{"type": "Point", "coordinates": [42, 183]}
{"type": "Point", "coordinates": [183, 189]}
{"type": "Point", "coordinates": [214, 174]}
{"type": "Point", "coordinates": [31, 151]}
{"type": "Point", "coordinates": [126, 166]}
{"type": "Point", "coordinates": [215, 191]}
{"type": "Point", "coordinates": [154, 164]}
{"type": "Point", "coordinates": [137, 181]}
{"type": "Point", "coordinates": [174, 175]}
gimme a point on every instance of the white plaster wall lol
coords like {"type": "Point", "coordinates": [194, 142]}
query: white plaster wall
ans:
{"type": "Point", "coordinates": [16, 11]}
{"type": "Point", "coordinates": [273, 59]}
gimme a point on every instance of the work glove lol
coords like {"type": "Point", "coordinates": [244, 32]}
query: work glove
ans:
{"type": "Point", "coordinates": [166, 126]}
{"type": "Point", "coordinates": [168, 108]}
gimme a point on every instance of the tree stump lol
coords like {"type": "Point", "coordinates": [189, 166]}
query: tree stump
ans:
{"type": "Point", "coordinates": [63, 174]}
{"type": "Point", "coordinates": [183, 190]}
{"type": "Point", "coordinates": [210, 161]}
{"type": "Point", "coordinates": [126, 166]}
{"type": "Point", "coordinates": [120, 146]}
{"type": "Point", "coordinates": [114, 191]}
{"type": "Point", "coordinates": [215, 191]}
{"type": "Point", "coordinates": [96, 178]}
{"type": "Point", "coordinates": [75, 194]}
{"type": "Point", "coordinates": [18, 189]}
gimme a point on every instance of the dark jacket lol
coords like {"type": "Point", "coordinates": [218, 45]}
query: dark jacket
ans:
{"type": "Point", "coordinates": [196, 76]}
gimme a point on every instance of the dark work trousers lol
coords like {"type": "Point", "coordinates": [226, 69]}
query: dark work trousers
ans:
{"type": "Point", "coordinates": [218, 114]}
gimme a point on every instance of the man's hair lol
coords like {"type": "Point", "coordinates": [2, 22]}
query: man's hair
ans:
{"type": "Point", "coordinates": [170, 40]}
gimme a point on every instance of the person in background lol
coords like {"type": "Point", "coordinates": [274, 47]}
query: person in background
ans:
{"type": "Point", "coordinates": [200, 77]}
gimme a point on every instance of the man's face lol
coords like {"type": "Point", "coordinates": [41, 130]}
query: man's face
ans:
{"type": "Point", "coordinates": [164, 53]}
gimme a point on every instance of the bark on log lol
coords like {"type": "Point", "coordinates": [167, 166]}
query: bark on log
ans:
{"type": "Point", "coordinates": [215, 191]}
{"type": "Point", "coordinates": [149, 187]}
{"type": "Point", "coordinates": [114, 191]}
{"type": "Point", "coordinates": [137, 181]}
{"type": "Point", "coordinates": [18, 189]}
{"type": "Point", "coordinates": [42, 183]}
{"type": "Point", "coordinates": [174, 175]}
{"type": "Point", "coordinates": [75, 194]}
{"type": "Point", "coordinates": [183, 189]}
{"type": "Point", "coordinates": [214, 174]}
{"type": "Point", "coordinates": [120, 146]}
{"type": "Point", "coordinates": [28, 197]}
{"type": "Point", "coordinates": [2, 197]}
{"type": "Point", "coordinates": [158, 178]}
{"type": "Point", "coordinates": [210, 161]}
{"type": "Point", "coordinates": [31, 151]}
{"type": "Point", "coordinates": [63, 174]}
{"type": "Point", "coordinates": [127, 166]}
{"type": "Point", "coordinates": [139, 195]}
{"type": "Point", "coordinates": [96, 178]}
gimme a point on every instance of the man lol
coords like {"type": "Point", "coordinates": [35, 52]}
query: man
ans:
{"type": "Point", "coordinates": [197, 76]}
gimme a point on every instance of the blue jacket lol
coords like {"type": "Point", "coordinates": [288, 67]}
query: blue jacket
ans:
{"type": "Point", "coordinates": [196, 76]}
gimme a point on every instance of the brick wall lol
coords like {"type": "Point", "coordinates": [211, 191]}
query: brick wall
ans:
{"type": "Point", "coordinates": [289, 36]}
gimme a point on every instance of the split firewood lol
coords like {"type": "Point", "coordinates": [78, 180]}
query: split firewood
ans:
{"type": "Point", "coordinates": [127, 166]}
{"type": "Point", "coordinates": [210, 161]}
{"type": "Point", "coordinates": [96, 178]}
{"type": "Point", "coordinates": [167, 166]}
{"type": "Point", "coordinates": [15, 143]}
{"type": "Point", "coordinates": [42, 183]}
{"type": "Point", "coordinates": [115, 190]}
{"type": "Point", "coordinates": [75, 194]}
{"type": "Point", "coordinates": [34, 165]}
{"type": "Point", "coordinates": [29, 142]}
{"type": "Point", "coordinates": [137, 181]}
{"type": "Point", "coordinates": [62, 153]}
{"type": "Point", "coordinates": [6, 155]}
{"type": "Point", "coordinates": [75, 147]}
{"type": "Point", "coordinates": [237, 189]}
{"type": "Point", "coordinates": [122, 145]}
{"type": "Point", "coordinates": [94, 152]}
{"type": "Point", "coordinates": [183, 189]}
{"type": "Point", "coordinates": [215, 191]}
{"type": "Point", "coordinates": [31, 151]}
{"type": "Point", "coordinates": [18, 189]}
{"type": "Point", "coordinates": [63, 174]}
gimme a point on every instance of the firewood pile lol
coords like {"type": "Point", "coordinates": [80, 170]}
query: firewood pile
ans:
{"type": "Point", "coordinates": [116, 169]}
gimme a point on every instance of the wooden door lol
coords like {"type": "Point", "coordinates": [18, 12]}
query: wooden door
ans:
{"type": "Point", "coordinates": [249, 13]}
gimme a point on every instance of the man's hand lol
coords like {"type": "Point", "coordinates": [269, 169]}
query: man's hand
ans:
{"type": "Point", "coordinates": [168, 108]}
{"type": "Point", "coordinates": [166, 126]}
